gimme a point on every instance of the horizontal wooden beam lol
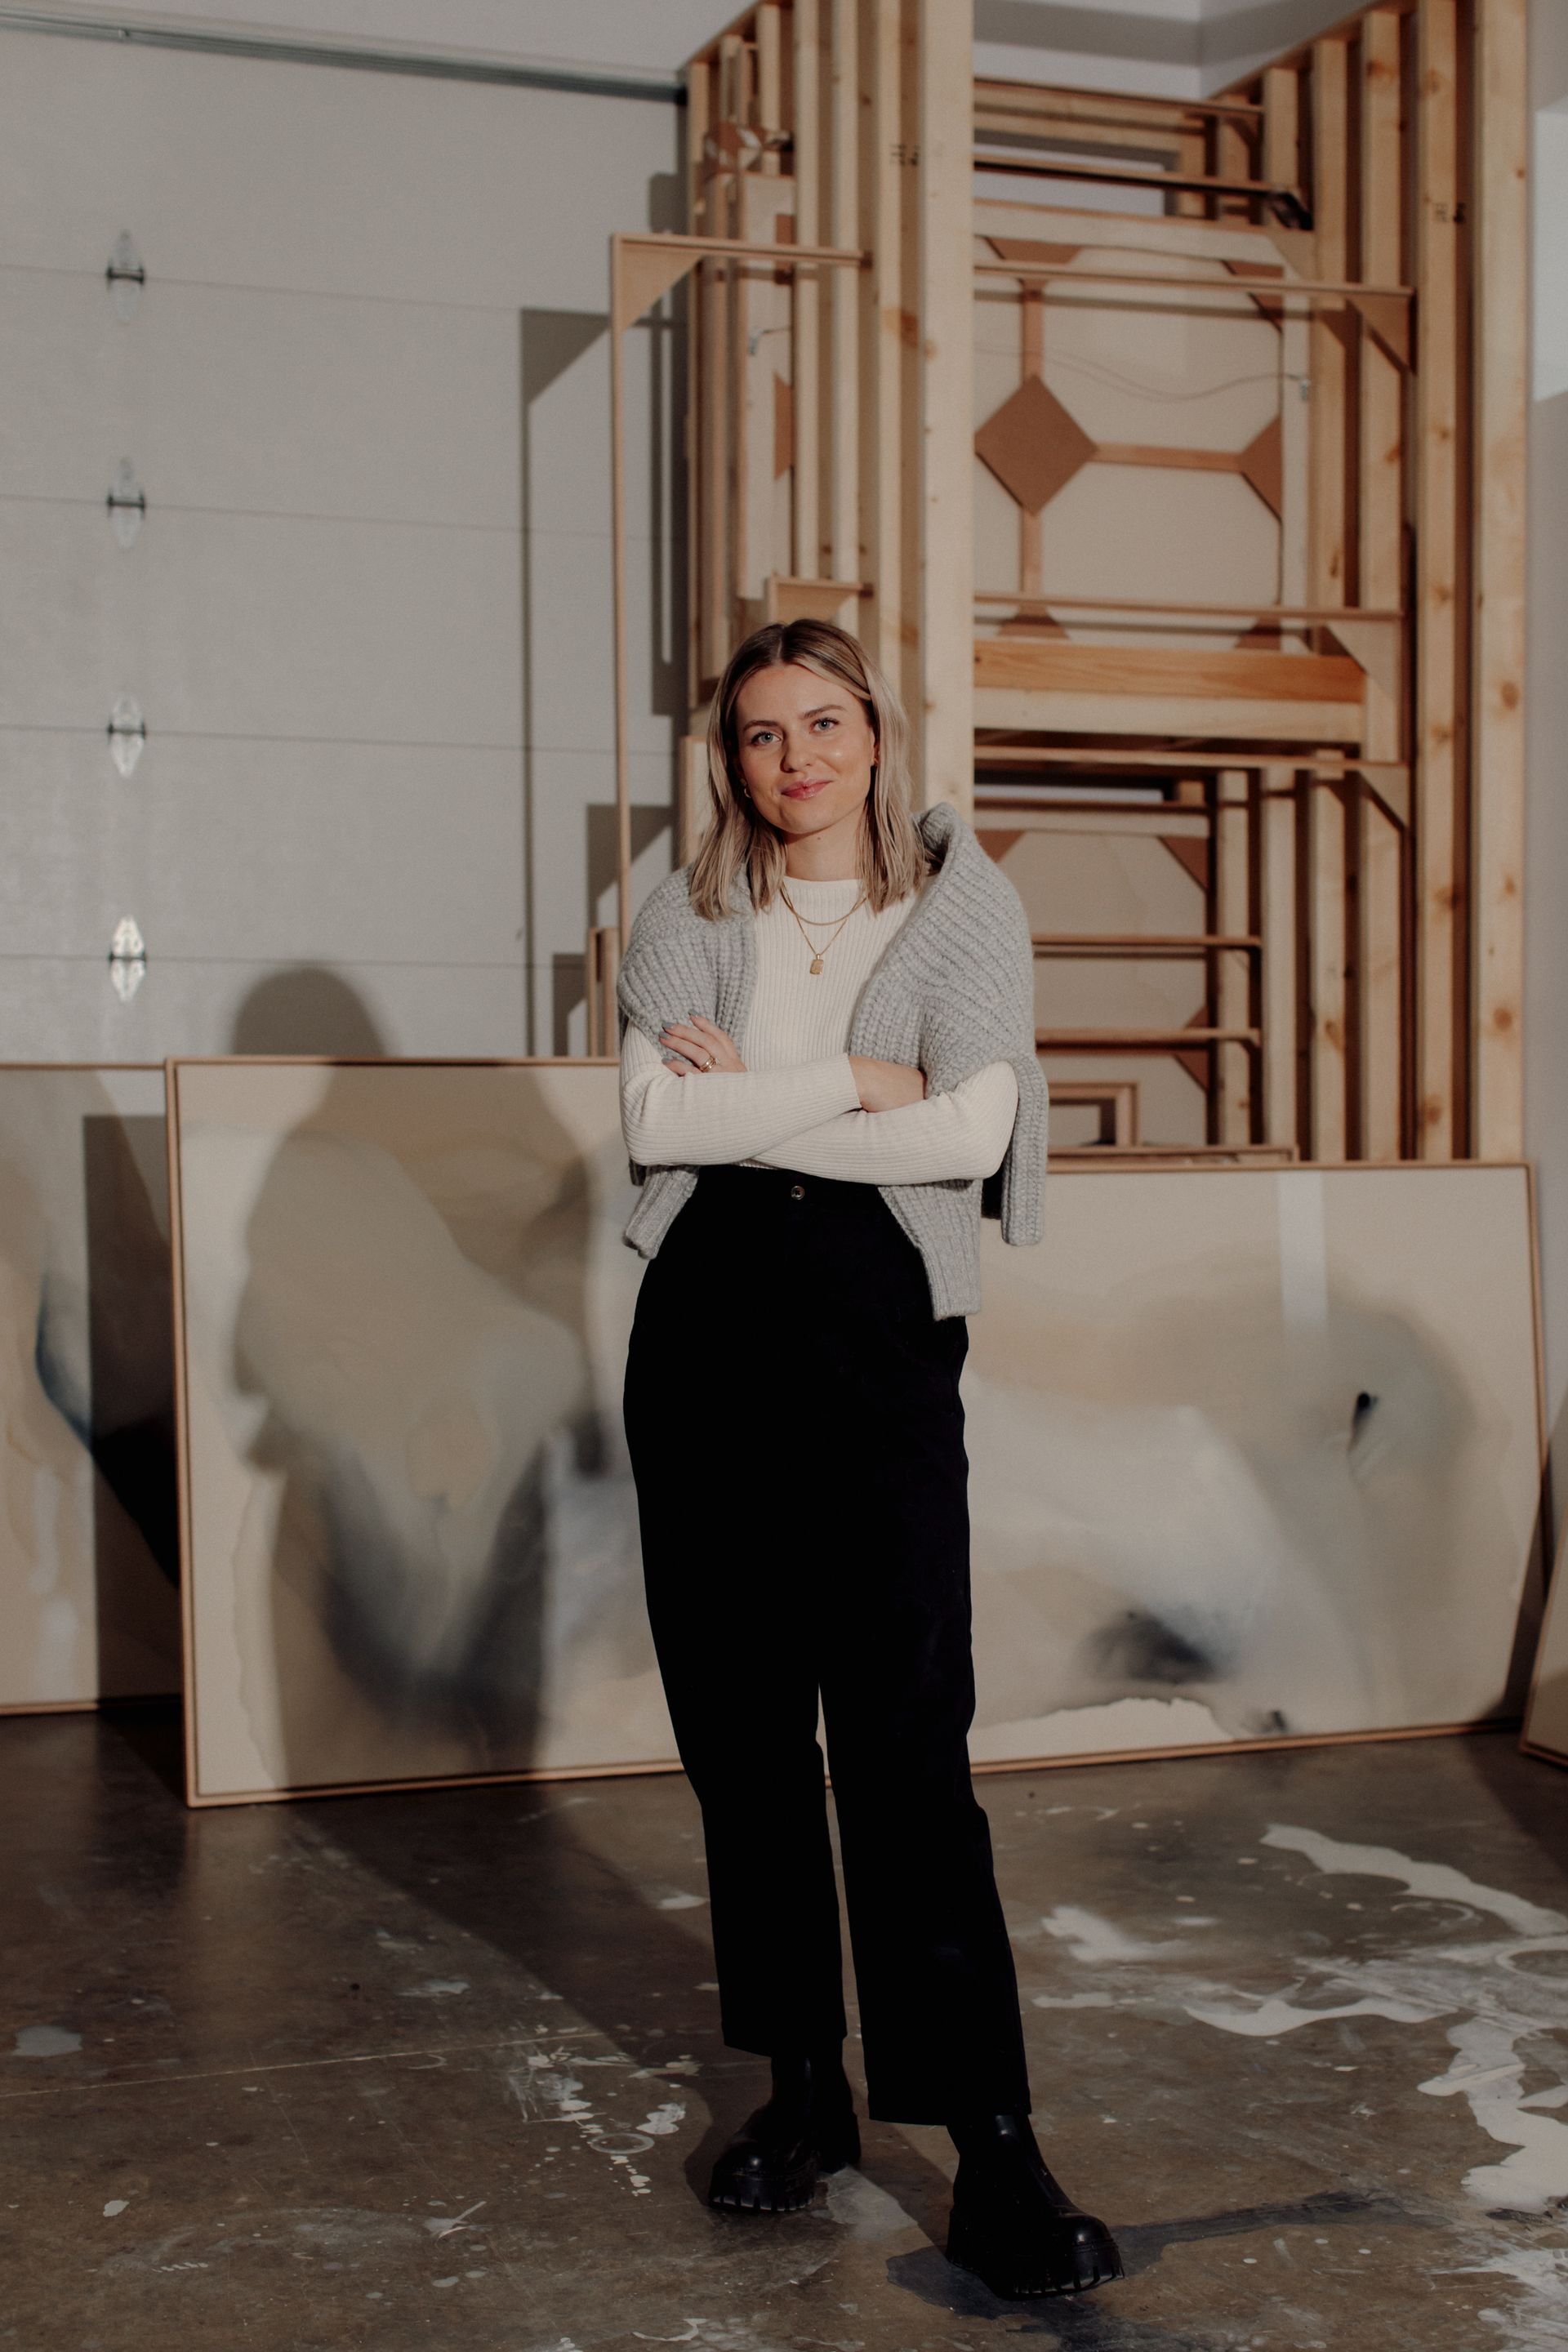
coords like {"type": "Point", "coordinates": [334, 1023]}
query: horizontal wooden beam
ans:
{"type": "Point", "coordinates": [1179, 762]}
{"type": "Point", "coordinates": [1336, 290]}
{"type": "Point", "coordinates": [1052, 607]}
{"type": "Point", "coordinates": [1106, 106]}
{"type": "Point", "coordinates": [1285, 200]}
{"type": "Point", "coordinates": [1058, 666]}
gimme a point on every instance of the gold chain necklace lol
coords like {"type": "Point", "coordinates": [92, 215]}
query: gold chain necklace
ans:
{"type": "Point", "coordinates": [816, 952]}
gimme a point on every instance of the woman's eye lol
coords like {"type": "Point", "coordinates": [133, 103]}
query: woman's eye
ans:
{"type": "Point", "coordinates": [828, 722]}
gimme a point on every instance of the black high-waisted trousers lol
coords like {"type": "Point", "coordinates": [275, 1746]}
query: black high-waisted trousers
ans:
{"type": "Point", "coordinates": [796, 1437]}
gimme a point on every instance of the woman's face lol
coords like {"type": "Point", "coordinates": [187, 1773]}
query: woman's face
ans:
{"type": "Point", "coordinates": [806, 749]}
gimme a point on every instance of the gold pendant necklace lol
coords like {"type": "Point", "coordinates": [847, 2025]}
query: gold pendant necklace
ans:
{"type": "Point", "coordinates": [816, 952]}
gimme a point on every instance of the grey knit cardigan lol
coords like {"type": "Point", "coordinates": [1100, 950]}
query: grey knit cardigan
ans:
{"type": "Point", "coordinates": [953, 990]}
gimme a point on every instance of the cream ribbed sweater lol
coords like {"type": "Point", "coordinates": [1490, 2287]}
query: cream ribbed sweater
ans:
{"type": "Point", "coordinates": [796, 1105]}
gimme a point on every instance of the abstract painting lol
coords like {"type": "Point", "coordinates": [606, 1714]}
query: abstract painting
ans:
{"type": "Point", "coordinates": [1256, 1453]}
{"type": "Point", "coordinates": [89, 1554]}
{"type": "Point", "coordinates": [411, 1530]}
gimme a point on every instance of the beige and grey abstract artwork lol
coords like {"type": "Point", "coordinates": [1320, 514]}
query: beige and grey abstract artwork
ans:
{"type": "Point", "coordinates": [412, 1531]}
{"type": "Point", "coordinates": [89, 1551]}
{"type": "Point", "coordinates": [1256, 1454]}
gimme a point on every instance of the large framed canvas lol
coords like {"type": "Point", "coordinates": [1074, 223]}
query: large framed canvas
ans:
{"type": "Point", "coordinates": [1546, 1715]}
{"type": "Point", "coordinates": [89, 1555]}
{"type": "Point", "coordinates": [1257, 1454]}
{"type": "Point", "coordinates": [410, 1531]}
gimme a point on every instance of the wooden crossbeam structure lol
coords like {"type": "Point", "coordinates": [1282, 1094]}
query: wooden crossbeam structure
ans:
{"type": "Point", "coordinates": [1239, 704]}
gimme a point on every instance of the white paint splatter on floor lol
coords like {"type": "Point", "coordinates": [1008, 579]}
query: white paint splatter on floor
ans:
{"type": "Point", "coordinates": [867, 2212]}
{"type": "Point", "coordinates": [1435, 1880]}
{"type": "Point", "coordinates": [1277, 2015]}
{"type": "Point", "coordinates": [1093, 1939]}
{"type": "Point", "coordinates": [46, 2042]}
{"type": "Point", "coordinates": [1503, 1993]}
{"type": "Point", "coordinates": [1542, 2313]}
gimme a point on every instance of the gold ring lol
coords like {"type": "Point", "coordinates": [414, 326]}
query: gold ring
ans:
{"type": "Point", "coordinates": [707, 1065]}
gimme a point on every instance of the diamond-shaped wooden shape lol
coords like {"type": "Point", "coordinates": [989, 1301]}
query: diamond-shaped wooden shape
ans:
{"type": "Point", "coordinates": [1032, 446]}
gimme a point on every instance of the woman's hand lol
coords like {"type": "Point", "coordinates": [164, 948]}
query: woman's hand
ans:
{"type": "Point", "coordinates": [704, 1044]}
{"type": "Point", "coordinates": [887, 1085]}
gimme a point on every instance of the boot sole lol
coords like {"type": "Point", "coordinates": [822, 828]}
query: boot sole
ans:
{"type": "Point", "coordinates": [792, 2192]}
{"type": "Point", "coordinates": [1090, 2266]}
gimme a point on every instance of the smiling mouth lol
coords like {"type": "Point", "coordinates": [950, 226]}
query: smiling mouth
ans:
{"type": "Point", "coordinates": [802, 791]}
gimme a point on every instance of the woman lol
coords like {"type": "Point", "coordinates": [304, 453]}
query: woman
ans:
{"type": "Point", "coordinates": [827, 1051]}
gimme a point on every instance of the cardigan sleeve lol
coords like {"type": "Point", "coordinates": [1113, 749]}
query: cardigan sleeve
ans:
{"type": "Point", "coordinates": [962, 1133]}
{"type": "Point", "coordinates": [704, 1119]}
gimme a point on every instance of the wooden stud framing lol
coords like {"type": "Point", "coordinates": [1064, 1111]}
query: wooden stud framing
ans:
{"type": "Point", "coordinates": [1366, 884]}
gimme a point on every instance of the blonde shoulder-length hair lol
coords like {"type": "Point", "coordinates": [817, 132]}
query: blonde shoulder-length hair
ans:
{"type": "Point", "coordinates": [894, 859]}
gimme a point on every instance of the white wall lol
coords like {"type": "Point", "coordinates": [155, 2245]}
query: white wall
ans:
{"type": "Point", "coordinates": [652, 37]}
{"type": "Point", "coordinates": [367, 616]}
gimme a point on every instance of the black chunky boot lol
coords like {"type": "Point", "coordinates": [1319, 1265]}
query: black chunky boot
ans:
{"type": "Point", "coordinates": [1012, 2224]}
{"type": "Point", "coordinates": [807, 2127]}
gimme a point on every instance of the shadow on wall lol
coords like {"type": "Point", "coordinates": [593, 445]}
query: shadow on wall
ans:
{"type": "Point", "coordinates": [307, 1010]}
{"type": "Point", "coordinates": [414, 1319]}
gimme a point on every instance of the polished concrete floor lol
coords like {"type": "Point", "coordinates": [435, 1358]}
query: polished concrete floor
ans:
{"type": "Point", "coordinates": [442, 2070]}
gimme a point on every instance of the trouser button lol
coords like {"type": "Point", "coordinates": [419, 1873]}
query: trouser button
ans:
{"type": "Point", "coordinates": [798, 1192]}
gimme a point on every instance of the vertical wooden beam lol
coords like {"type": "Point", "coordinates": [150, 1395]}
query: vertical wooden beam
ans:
{"type": "Point", "coordinates": [619, 649]}
{"type": "Point", "coordinates": [1329, 561]}
{"type": "Point", "coordinates": [1277, 899]}
{"type": "Point", "coordinates": [882, 299]}
{"type": "Point", "coordinates": [737, 80]}
{"type": "Point", "coordinates": [806, 297]}
{"type": "Point", "coordinates": [841, 554]}
{"type": "Point", "coordinates": [1437, 749]}
{"type": "Point", "coordinates": [1380, 582]}
{"type": "Point", "coordinates": [1032, 362]}
{"type": "Point", "coordinates": [1231, 901]}
{"type": "Point", "coordinates": [1328, 998]}
{"type": "Point", "coordinates": [698, 122]}
{"type": "Point", "coordinates": [1192, 153]}
{"type": "Point", "coordinates": [1501, 311]}
{"type": "Point", "coordinates": [1282, 127]}
{"type": "Point", "coordinates": [1233, 156]}
{"type": "Point", "coordinates": [945, 451]}
{"type": "Point", "coordinates": [1380, 979]}
{"type": "Point", "coordinates": [1328, 579]}
{"type": "Point", "coordinates": [770, 85]}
